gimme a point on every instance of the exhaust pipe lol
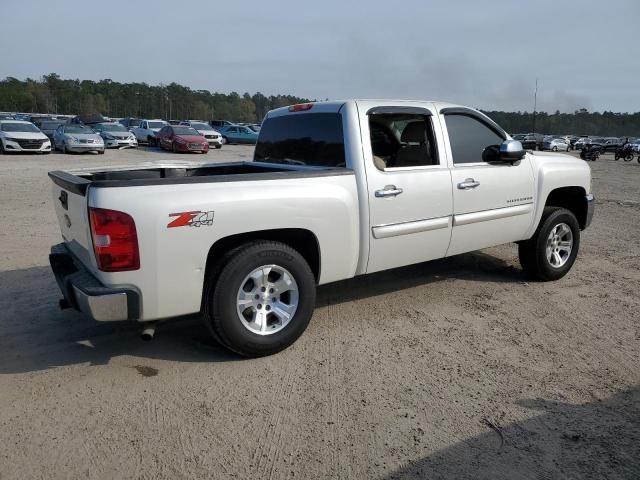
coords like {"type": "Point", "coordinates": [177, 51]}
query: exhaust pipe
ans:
{"type": "Point", "coordinates": [148, 331]}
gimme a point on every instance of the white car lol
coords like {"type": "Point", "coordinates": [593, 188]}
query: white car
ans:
{"type": "Point", "coordinates": [335, 190]}
{"type": "Point", "coordinates": [147, 130]}
{"type": "Point", "coordinates": [20, 136]}
{"type": "Point", "coordinates": [214, 138]}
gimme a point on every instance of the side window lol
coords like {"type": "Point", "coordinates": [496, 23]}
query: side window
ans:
{"type": "Point", "coordinates": [402, 140]}
{"type": "Point", "coordinates": [470, 138]}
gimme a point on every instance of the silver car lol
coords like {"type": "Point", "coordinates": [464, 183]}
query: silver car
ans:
{"type": "Point", "coordinates": [115, 135]}
{"type": "Point", "coordinates": [77, 138]}
{"type": "Point", "coordinates": [556, 144]}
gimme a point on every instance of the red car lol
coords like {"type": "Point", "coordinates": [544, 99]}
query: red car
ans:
{"type": "Point", "coordinates": [180, 138]}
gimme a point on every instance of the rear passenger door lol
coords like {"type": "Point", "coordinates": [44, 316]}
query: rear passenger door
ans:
{"type": "Point", "coordinates": [492, 202]}
{"type": "Point", "coordinates": [409, 185]}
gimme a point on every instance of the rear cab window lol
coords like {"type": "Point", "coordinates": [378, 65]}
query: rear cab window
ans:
{"type": "Point", "coordinates": [312, 139]}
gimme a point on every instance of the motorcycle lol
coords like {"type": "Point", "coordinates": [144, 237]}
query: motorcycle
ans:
{"type": "Point", "coordinates": [625, 152]}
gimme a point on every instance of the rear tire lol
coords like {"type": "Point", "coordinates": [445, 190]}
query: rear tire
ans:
{"type": "Point", "coordinates": [173, 147]}
{"type": "Point", "coordinates": [537, 255]}
{"type": "Point", "coordinates": [231, 287]}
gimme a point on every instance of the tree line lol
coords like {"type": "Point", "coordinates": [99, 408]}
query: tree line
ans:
{"type": "Point", "coordinates": [53, 94]}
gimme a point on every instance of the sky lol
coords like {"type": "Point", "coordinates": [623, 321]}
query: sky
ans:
{"type": "Point", "coordinates": [482, 53]}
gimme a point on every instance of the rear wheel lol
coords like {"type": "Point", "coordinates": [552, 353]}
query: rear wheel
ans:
{"type": "Point", "coordinates": [225, 140]}
{"type": "Point", "coordinates": [553, 249]}
{"type": "Point", "coordinates": [261, 300]}
{"type": "Point", "coordinates": [174, 149]}
{"type": "Point", "coordinates": [555, 149]}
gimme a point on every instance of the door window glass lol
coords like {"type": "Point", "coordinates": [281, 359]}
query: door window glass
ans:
{"type": "Point", "coordinates": [470, 138]}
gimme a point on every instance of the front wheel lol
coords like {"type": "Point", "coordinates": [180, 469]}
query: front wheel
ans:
{"type": "Point", "coordinates": [555, 149]}
{"type": "Point", "coordinates": [262, 299]}
{"type": "Point", "coordinates": [552, 251]}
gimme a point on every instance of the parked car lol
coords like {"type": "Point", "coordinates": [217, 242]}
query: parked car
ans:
{"type": "Point", "coordinates": [238, 134]}
{"type": "Point", "coordinates": [73, 137]}
{"type": "Point", "coordinates": [88, 119]}
{"type": "Point", "coordinates": [48, 127]}
{"type": "Point", "coordinates": [130, 122]}
{"type": "Point", "coordinates": [556, 144]}
{"type": "Point", "coordinates": [115, 135]}
{"type": "Point", "coordinates": [635, 144]}
{"type": "Point", "coordinates": [22, 136]}
{"type": "Point", "coordinates": [6, 116]}
{"type": "Point", "coordinates": [218, 124]}
{"type": "Point", "coordinates": [182, 138]}
{"type": "Point", "coordinates": [255, 127]}
{"type": "Point", "coordinates": [611, 144]}
{"type": "Point", "coordinates": [213, 136]}
{"type": "Point", "coordinates": [529, 142]}
{"type": "Point", "coordinates": [147, 130]}
{"type": "Point", "coordinates": [335, 190]}
{"type": "Point", "coordinates": [174, 122]}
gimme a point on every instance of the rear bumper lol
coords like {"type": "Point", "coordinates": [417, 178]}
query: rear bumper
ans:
{"type": "Point", "coordinates": [590, 208]}
{"type": "Point", "coordinates": [85, 293]}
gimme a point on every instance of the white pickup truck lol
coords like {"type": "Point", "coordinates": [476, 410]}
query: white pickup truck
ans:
{"type": "Point", "coordinates": [336, 189]}
{"type": "Point", "coordinates": [147, 130]}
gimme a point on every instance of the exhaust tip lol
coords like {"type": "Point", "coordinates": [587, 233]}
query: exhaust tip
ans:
{"type": "Point", "coordinates": [148, 332]}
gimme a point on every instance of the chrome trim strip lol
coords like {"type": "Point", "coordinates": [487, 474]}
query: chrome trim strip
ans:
{"type": "Point", "coordinates": [406, 228]}
{"type": "Point", "coordinates": [495, 214]}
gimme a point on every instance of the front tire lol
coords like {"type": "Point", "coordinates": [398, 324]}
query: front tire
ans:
{"type": "Point", "coordinates": [552, 251]}
{"type": "Point", "coordinates": [261, 300]}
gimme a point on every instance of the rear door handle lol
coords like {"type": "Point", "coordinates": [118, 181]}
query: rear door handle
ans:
{"type": "Point", "coordinates": [468, 184]}
{"type": "Point", "coordinates": [388, 191]}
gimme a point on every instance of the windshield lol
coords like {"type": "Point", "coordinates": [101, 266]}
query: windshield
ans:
{"type": "Point", "coordinates": [156, 124]}
{"type": "Point", "coordinates": [77, 129]}
{"type": "Point", "coordinates": [185, 131]}
{"type": "Point", "coordinates": [111, 127]}
{"type": "Point", "coordinates": [19, 127]}
{"type": "Point", "coordinates": [200, 126]}
{"type": "Point", "coordinates": [50, 125]}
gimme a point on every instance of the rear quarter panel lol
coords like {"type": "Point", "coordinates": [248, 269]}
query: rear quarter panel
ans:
{"type": "Point", "coordinates": [173, 260]}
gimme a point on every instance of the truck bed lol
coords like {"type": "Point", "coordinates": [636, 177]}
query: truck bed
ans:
{"type": "Point", "coordinates": [77, 181]}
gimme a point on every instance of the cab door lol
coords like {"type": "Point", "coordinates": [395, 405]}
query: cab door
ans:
{"type": "Point", "coordinates": [409, 185]}
{"type": "Point", "coordinates": [493, 203]}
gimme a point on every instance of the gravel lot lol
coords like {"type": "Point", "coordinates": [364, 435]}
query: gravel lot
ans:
{"type": "Point", "coordinates": [456, 368]}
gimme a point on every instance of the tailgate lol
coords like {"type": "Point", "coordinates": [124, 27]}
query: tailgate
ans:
{"type": "Point", "coordinates": [70, 201]}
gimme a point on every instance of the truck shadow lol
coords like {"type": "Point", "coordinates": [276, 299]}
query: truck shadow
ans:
{"type": "Point", "coordinates": [594, 440]}
{"type": "Point", "coordinates": [475, 266]}
{"type": "Point", "coordinates": [35, 334]}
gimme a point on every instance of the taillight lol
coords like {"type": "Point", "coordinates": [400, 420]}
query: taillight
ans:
{"type": "Point", "coordinates": [301, 107]}
{"type": "Point", "coordinates": [115, 241]}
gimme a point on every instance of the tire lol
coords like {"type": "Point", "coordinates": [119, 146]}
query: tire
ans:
{"type": "Point", "coordinates": [100, 152]}
{"type": "Point", "coordinates": [225, 140]}
{"type": "Point", "coordinates": [218, 147]}
{"type": "Point", "coordinates": [151, 141]}
{"type": "Point", "coordinates": [224, 286]}
{"type": "Point", "coordinates": [173, 147]}
{"type": "Point", "coordinates": [64, 149]}
{"type": "Point", "coordinates": [555, 149]}
{"type": "Point", "coordinates": [628, 157]}
{"type": "Point", "coordinates": [533, 253]}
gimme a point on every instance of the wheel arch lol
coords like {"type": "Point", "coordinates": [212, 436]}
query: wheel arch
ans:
{"type": "Point", "coordinates": [573, 199]}
{"type": "Point", "coordinates": [303, 241]}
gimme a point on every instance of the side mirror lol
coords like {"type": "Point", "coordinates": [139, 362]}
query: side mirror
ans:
{"type": "Point", "coordinates": [511, 151]}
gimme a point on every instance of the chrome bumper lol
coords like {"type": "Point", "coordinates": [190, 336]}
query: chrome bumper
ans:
{"type": "Point", "coordinates": [85, 293]}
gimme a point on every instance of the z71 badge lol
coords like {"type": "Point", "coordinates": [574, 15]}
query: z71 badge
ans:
{"type": "Point", "coordinates": [196, 218]}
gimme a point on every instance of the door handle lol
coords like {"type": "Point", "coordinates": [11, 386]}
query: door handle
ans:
{"type": "Point", "coordinates": [388, 191]}
{"type": "Point", "coordinates": [468, 184]}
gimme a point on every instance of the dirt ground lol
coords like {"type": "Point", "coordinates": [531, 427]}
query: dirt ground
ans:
{"type": "Point", "coordinates": [457, 368]}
